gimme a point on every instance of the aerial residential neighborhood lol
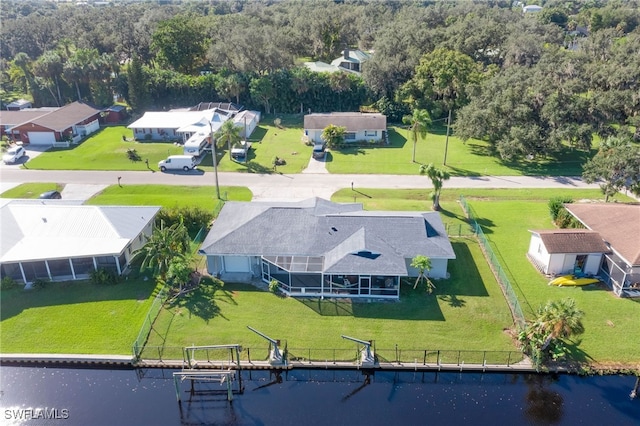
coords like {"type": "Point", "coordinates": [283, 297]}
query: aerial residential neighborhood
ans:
{"type": "Point", "coordinates": [367, 173]}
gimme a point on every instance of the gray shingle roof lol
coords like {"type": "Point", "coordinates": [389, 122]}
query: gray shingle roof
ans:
{"type": "Point", "coordinates": [337, 232]}
{"type": "Point", "coordinates": [572, 241]}
{"type": "Point", "coordinates": [353, 121]}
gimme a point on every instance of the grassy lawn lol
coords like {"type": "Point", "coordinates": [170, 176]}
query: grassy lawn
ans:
{"type": "Point", "coordinates": [472, 158]}
{"type": "Point", "coordinates": [74, 317]}
{"type": "Point", "coordinates": [506, 216]}
{"type": "Point", "coordinates": [31, 190]}
{"type": "Point", "coordinates": [168, 195]}
{"type": "Point", "coordinates": [467, 311]}
{"type": "Point", "coordinates": [104, 150]}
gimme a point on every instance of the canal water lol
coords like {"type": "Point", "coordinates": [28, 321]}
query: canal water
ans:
{"type": "Point", "coordinates": [76, 396]}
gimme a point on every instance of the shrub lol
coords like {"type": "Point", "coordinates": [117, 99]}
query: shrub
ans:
{"type": "Point", "coordinates": [8, 283]}
{"type": "Point", "coordinates": [556, 204]}
{"type": "Point", "coordinates": [40, 283]}
{"type": "Point", "coordinates": [274, 287]}
{"type": "Point", "coordinates": [133, 155]}
{"type": "Point", "coordinates": [194, 218]}
{"type": "Point", "coordinates": [103, 276]}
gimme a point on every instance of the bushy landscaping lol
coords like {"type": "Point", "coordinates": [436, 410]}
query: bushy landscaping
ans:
{"type": "Point", "coordinates": [74, 317]}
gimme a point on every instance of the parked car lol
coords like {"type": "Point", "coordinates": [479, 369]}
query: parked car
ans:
{"type": "Point", "coordinates": [319, 149]}
{"type": "Point", "coordinates": [50, 195]}
{"type": "Point", "coordinates": [13, 154]}
{"type": "Point", "coordinates": [178, 162]}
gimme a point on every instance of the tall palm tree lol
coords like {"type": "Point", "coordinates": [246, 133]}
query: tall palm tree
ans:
{"type": "Point", "coordinates": [437, 177]}
{"type": "Point", "coordinates": [418, 123]}
{"type": "Point", "coordinates": [229, 133]}
{"type": "Point", "coordinates": [162, 246]}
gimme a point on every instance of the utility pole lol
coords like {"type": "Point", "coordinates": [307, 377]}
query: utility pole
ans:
{"type": "Point", "coordinates": [215, 159]}
{"type": "Point", "coordinates": [446, 144]}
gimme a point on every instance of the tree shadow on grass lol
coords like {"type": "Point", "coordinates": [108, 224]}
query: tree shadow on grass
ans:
{"type": "Point", "coordinates": [202, 301]}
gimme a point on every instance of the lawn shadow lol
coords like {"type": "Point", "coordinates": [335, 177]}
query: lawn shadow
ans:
{"type": "Point", "coordinates": [254, 167]}
{"type": "Point", "coordinates": [202, 301]}
{"type": "Point", "coordinates": [465, 279]}
{"type": "Point", "coordinates": [14, 302]}
{"type": "Point", "coordinates": [456, 171]}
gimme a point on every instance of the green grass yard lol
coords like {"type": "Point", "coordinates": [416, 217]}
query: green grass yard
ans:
{"type": "Point", "coordinates": [31, 190]}
{"type": "Point", "coordinates": [466, 312]}
{"type": "Point", "coordinates": [168, 196]}
{"type": "Point", "coordinates": [74, 317]}
{"type": "Point", "coordinates": [506, 216]}
{"type": "Point", "coordinates": [106, 150]}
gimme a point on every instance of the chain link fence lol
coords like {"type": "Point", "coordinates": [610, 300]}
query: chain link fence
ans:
{"type": "Point", "coordinates": [501, 277]}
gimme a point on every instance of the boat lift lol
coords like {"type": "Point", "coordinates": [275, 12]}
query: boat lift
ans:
{"type": "Point", "coordinates": [367, 357]}
{"type": "Point", "coordinates": [275, 356]}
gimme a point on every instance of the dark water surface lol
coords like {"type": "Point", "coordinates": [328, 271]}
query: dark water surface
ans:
{"type": "Point", "coordinates": [313, 397]}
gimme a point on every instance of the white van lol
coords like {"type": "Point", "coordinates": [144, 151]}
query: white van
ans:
{"type": "Point", "coordinates": [178, 162]}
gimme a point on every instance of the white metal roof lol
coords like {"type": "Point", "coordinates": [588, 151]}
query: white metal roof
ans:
{"type": "Point", "coordinates": [45, 231]}
{"type": "Point", "coordinates": [175, 119]}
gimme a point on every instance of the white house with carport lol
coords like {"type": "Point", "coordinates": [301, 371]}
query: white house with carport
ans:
{"type": "Point", "coordinates": [60, 241]}
{"type": "Point", "coordinates": [176, 125]}
{"type": "Point", "coordinates": [324, 249]}
{"type": "Point", "coordinates": [360, 126]}
{"type": "Point", "coordinates": [566, 251]}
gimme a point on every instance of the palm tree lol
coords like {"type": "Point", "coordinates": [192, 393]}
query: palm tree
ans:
{"type": "Point", "coordinates": [162, 246]}
{"type": "Point", "coordinates": [559, 320]}
{"type": "Point", "coordinates": [422, 264]}
{"type": "Point", "coordinates": [437, 177]}
{"type": "Point", "coordinates": [418, 123]}
{"type": "Point", "coordinates": [229, 133]}
{"type": "Point", "coordinates": [333, 135]}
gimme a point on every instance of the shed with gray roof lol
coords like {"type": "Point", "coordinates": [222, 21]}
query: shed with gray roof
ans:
{"type": "Point", "coordinates": [320, 248]}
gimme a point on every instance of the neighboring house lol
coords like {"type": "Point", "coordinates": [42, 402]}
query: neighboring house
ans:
{"type": "Point", "coordinates": [59, 241]}
{"type": "Point", "coordinates": [71, 122]}
{"type": "Point", "coordinates": [619, 226]}
{"type": "Point", "coordinates": [324, 249]}
{"type": "Point", "coordinates": [177, 125]}
{"type": "Point", "coordinates": [566, 251]}
{"type": "Point", "coordinates": [13, 118]}
{"type": "Point", "coordinates": [531, 9]}
{"type": "Point", "coordinates": [19, 105]}
{"type": "Point", "coordinates": [350, 61]}
{"type": "Point", "coordinates": [359, 126]}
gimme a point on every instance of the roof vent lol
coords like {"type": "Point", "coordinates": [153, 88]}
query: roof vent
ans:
{"type": "Point", "coordinates": [44, 219]}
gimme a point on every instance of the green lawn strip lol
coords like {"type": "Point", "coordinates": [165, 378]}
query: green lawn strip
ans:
{"type": "Point", "coordinates": [473, 158]}
{"type": "Point", "coordinates": [465, 312]}
{"type": "Point", "coordinates": [168, 195]}
{"type": "Point", "coordinates": [31, 190]}
{"type": "Point", "coordinates": [610, 322]}
{"type": "Point", "coordinates": [74, 317]}
{"type": "Point", "coordinates": [105, 150]}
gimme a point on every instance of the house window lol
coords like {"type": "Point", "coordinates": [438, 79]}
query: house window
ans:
{"type": "Point", "coordinates": [350, 136]}
{"type": "Point", "coordinates": [371, 133]}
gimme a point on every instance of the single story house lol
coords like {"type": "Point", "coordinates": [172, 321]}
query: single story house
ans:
{"type": "Point", "coordinates": [320, 248]}
{"type": "Point", "coordinates": [566, 251]}
{"type": "Point", "coordinates": [59, 241]}
{"type": "Point", "coordinates": [359, 126]}
{"type": "Point", "coordinates": [12, 118]}
{"type": "Point", "coordinates": [176, 125]}
{"type": "Point", "coordinates": [71, 122]}
{"type": "Point", "coordinates": [619, 226]}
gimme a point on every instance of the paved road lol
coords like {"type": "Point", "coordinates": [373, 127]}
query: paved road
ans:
{"type": "Point", "coordinates": [281, 186]}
